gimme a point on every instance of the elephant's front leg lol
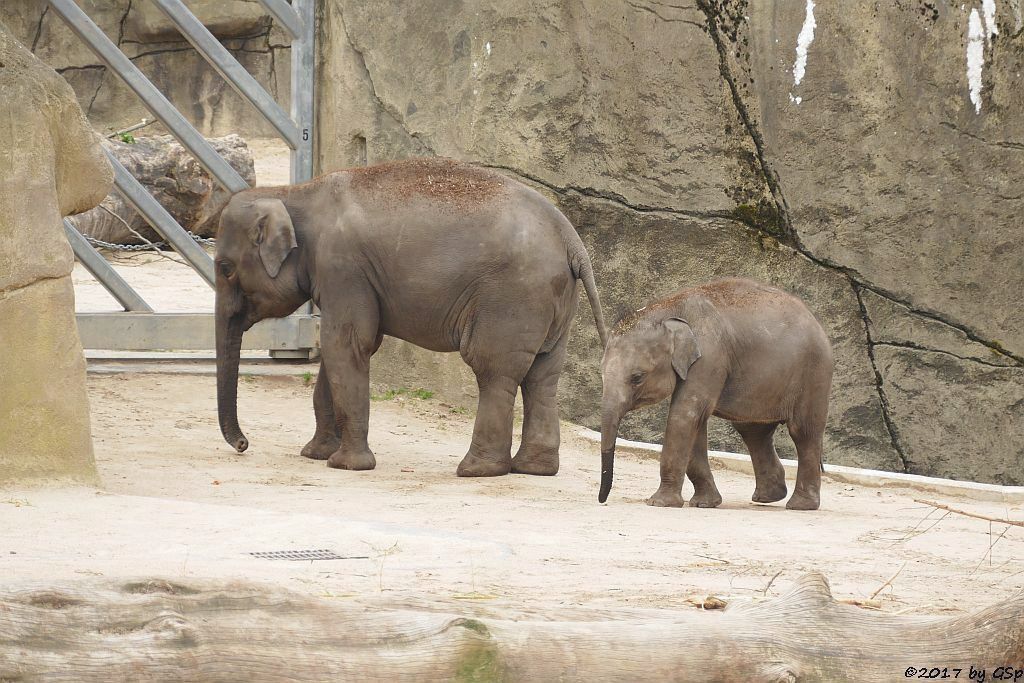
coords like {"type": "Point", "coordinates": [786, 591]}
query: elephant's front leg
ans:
{"type": "Point", "coordinates": [349, 334]}
{"type": "Point", "coordinates": [705, 492]}
{"type": "Point", "coordinates": [326, 440]}
{"type": "Point", "coordinates": [687, 419]}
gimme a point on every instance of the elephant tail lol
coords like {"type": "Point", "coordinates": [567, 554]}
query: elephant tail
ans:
{"type": "Point", "coordinates": [586, 273]}
{"type": "Point", "coordinates": [582, 269]}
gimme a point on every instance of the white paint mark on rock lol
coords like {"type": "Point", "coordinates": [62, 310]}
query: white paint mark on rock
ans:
{"type": "Point", "coordinates": [803, 43]}
{"type": "Point", "coordinates": [989, 8]}
{"type": "Point", "coordinates": [487, 47]}
{"type": "Point", "coordinates": [975, 58]}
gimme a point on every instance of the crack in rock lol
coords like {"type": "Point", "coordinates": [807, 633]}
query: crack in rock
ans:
{"type": "Point", "coordinates": [667, 20]}
{"type": "Point", "coordinates": [890, 426]}
{"type": "Point", "coordinates": [382, 106]}
{"type": "Point", "coordinates": [608, 196]}
{"type": "Point", "coordinates": [39, 28]}
{"type": "Point", "coordinates": [1003, 144]}
{"type": "Point", "coordinates": [11, 289]}
{"type": "Point", "coordinates": [920, 347]}
{"type": "Point", "coordinates": [120, 25]}
{"type": "Point", "coordinates": [771, 178]}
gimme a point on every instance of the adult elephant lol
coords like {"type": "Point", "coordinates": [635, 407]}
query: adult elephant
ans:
{"type": "Point", "coordinates": [442, 254]}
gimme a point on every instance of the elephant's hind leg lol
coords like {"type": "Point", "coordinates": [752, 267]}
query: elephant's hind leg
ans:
{"type": "Point", "coordinates": [538, 452]}
{"type": "Point", "coordinates": [807, 429]}
{"type": "Point", "coordinates": [327, 437]}
{"type": "Point", "coordinates": [498, 374]}
{"type": "Point", "coordinates": [769, 475]}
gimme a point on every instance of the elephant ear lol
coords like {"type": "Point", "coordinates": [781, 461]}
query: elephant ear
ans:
{"type": "Point", "coordinates": [275, 235]}
{"type": "Point", "coordinates": [685, 350]}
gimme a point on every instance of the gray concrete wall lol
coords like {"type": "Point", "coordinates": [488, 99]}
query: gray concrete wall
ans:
{"type": "Point", "coordinates": [878, 176]}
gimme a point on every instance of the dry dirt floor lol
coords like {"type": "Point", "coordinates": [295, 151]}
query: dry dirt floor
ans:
{"type": "Point", "coordinates": [177, 502]}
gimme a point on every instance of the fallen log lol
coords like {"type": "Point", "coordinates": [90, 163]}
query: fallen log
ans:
{"type": "Point", "coordinates": [175, 179]}
{"type": "Point", "coordinates": [157, 630]}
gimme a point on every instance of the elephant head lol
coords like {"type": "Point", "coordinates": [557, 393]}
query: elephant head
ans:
{"type": "Point", "coordinates": [641, 366]}
{"type": "Point", "coordinates": [257, 277]}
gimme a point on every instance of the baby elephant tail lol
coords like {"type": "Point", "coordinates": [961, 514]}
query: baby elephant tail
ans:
{"type": "Point", "coordinates": [583, 270]}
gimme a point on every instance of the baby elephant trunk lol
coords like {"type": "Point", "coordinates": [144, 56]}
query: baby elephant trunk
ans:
{"type": "Point", "coordinates": [609, 432]}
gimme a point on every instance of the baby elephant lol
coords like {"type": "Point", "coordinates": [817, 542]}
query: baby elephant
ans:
{"type": "Point", "coordinates": [734, 348]}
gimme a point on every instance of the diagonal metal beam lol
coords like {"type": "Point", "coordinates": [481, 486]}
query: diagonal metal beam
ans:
{"type": "Point", "coordinates": [228, 67]}
{"type": "Point", "coordinates": [104, 272]}
{"type": "Point", "coordinates": [284, 15]}
{"type": "Point", "coordinates": [111, 55]}
{"type": "Point", "coordinates": [163, 222]}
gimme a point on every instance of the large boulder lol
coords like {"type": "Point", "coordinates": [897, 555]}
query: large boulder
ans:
{"type": "Point", "coordinates": [850, 152]}
{"type": "Point", "coordinates": [174, 177]}
{"type": "Point", "coordinates": [54, 167]}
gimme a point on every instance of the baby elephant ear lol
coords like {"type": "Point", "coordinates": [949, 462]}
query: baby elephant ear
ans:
{"type": "Point", "coordinates": [685, 350]}
{"type": "Point", "coordinates": [275, 235]}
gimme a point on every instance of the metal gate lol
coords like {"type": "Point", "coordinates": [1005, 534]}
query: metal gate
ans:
{"type": "Point", "coordinates": [139, 327]}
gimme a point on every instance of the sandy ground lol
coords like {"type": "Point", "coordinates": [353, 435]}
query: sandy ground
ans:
{"type": "Point", "coordinates": [176, 502]}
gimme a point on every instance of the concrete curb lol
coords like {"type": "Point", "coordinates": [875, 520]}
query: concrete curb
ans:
{"type": "Point", "coordinates": [739, 462]}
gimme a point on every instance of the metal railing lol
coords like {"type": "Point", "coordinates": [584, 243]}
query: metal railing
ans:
{"type": "Point", "coordinates": [139, 327]}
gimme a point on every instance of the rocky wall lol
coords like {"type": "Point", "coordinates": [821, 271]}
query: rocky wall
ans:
{"type": "Point", "coordinates": [156, 47]}
{"type": "Point", "coordinates": [53, 167]}
{"type": "Point", "coordinates": [866, 155]}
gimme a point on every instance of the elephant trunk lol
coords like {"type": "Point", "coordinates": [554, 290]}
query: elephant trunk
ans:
{"type": "Point", "coordinates": [609, 432]}
{"type": "Point", "coordinates": [229, 345]}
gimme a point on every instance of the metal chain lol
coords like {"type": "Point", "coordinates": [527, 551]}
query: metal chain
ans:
{"type": "Point", "coordinates": [145, 247]}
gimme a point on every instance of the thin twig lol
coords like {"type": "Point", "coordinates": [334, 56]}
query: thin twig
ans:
{"type": "Point", "coordinates": [138, 235]}
{"type": "Point", "coordinates": [913, 533]}
{"type": "Point", "coordinates": [887, 583]}
{"type": "Point", "coordinates": [965, 513]}
{"type": "Point", "coordinates": [129, 129]}
{"type": "Point", "coordinates": [988, 554]}
{"type": "Point", "coordinates": [771, 581]}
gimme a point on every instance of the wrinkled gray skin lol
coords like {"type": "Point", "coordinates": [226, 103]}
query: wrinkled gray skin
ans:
{"type": "Point", "coordinates": [737, 349]}
{"type": "Point", "coordinates": [444, 255]}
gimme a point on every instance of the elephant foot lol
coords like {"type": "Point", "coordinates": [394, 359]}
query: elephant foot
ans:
{"type": "Point", "coordinates": [352, 459]}
{"type": "Point", "coordinates": [706, 499]}
{"type": "Point", "coordinates": [541, 462]}
{"type": "Point", "coordinates": [769, 493]}
{"type": "Point", "coordinates": [664, 498]}
{"type": "Point", "coordinates": [320, 449]}
{"type": "Point", "coordinates": [476, 466]}
{"type": "Point", "coordinates": [803, 501]}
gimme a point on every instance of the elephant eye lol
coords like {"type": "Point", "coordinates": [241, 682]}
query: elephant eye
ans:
{"type": "Point", "coordinates": [637, 377]}
{"type": "Point", "coordinates": [227, 268]}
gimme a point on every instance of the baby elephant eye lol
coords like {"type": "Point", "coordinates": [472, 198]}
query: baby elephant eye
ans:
{"type": "Point", "coordinates": [637, 377]}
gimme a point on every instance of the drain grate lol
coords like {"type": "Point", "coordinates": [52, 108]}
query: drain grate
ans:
{"type": "Point", "coordinates": [305, 555]}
